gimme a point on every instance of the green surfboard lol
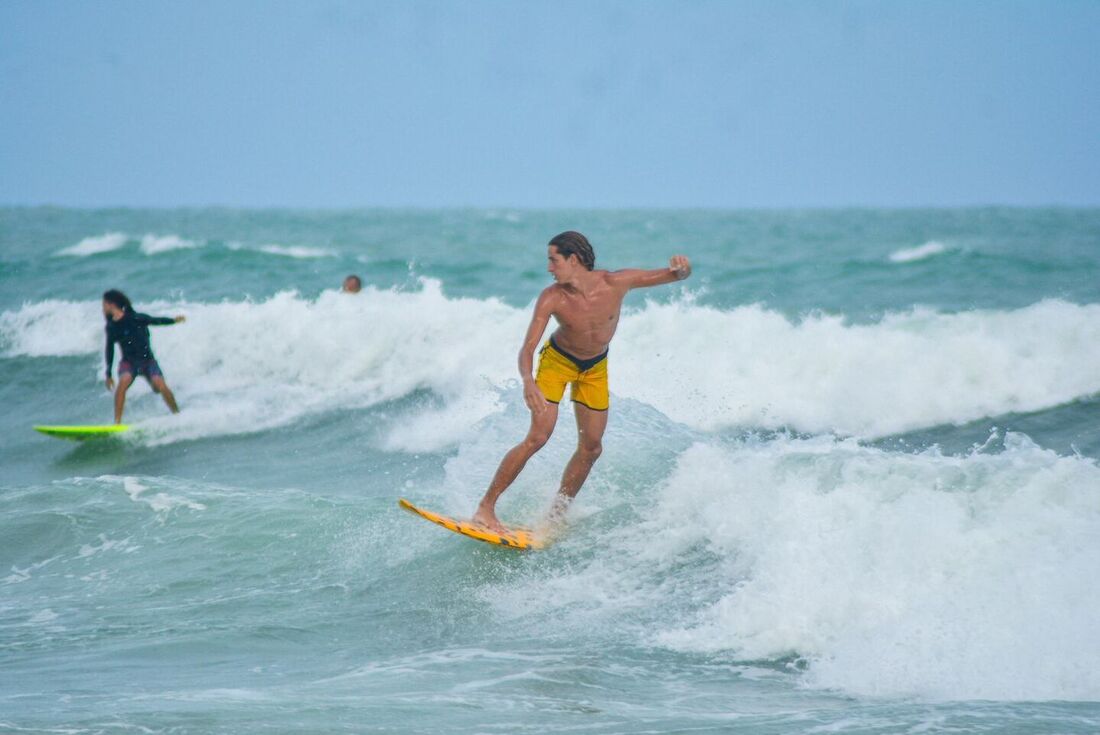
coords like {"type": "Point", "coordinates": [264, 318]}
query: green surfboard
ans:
{"type": "Point", "coordinates": [82, 433]}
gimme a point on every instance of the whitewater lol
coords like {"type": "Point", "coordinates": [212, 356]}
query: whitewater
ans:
{"type": "Point", "coordinates": [851, 479]}
{"type": "Point", "coordinates": [746, 367]}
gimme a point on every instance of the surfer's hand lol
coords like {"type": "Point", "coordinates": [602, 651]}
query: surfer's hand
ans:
{"type": "Point", "coordinates": [680, 266]}
{"type": "Point", "coordinates": [110, 383]}
{"type": "Point", "coordinates": [533, 397]}
{"type": "Point", "coordinates": [180, 318]}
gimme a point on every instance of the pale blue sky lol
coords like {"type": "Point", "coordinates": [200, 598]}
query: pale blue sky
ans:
{"type": "Point", "coordinates": [678, 104]}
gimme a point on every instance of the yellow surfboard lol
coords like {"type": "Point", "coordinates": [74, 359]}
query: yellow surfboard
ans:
{"type": "Point", "coordinates": [517, 537]}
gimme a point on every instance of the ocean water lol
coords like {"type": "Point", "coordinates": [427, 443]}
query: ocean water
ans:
{"type": "Point", "coordinates": [850, 481]}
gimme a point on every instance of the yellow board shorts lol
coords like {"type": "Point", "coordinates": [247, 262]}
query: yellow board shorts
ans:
{"type": "Point", "coordinates": [588, 377]}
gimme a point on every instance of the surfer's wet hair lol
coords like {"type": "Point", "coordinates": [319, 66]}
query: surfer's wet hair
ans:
{"type": "Point", "coordinates": [574, 243]}
{"type": "Point", "coordinates": [116, 297]}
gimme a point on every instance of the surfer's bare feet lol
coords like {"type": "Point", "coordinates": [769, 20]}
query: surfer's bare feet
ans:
{"type": "Point", "coordinates": [487, 518]}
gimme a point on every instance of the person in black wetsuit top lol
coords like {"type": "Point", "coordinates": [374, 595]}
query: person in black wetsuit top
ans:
{"type": "Point", "coordinates": [131, 330]}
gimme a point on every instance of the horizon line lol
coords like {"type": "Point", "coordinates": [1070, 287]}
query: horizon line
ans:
{"type": "Point", "coordinates": [558, 208]}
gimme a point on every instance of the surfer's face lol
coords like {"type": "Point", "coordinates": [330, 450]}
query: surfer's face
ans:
{"type": "Point", "coordinates": [111, 311]}
{"type": "Point", "coordinates": [562, 269]}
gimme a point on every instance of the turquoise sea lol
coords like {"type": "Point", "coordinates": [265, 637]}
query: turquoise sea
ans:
{"type": "Point", "coordinates": [851, 481]}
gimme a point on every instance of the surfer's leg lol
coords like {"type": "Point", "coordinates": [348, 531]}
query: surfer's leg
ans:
{"type": "Point", "coordinates": [542, 426]}
{"type": "Point", "coordinates": [590, 428]}
{"type": "Point", "coordinates": [165, 392]}
{"type": "Point", "coordinates": [124, 381]}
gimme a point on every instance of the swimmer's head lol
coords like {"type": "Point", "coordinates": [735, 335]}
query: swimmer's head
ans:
{"type": "Point", "coordinates": [574, 244]}
{"type": "Point", "coordinates": [352, 284]}
{"type": "Point", "coordinates": [115, 304]}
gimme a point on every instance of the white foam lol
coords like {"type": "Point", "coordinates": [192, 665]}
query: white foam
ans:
{"type": "Point", "coordinates": [921, 252]}
{"type": "Point", "coordinates": [899, 575]}
{"type": "Point", "coordinates": [52, 328]}
{"type": "Point", "coordinates": [46, 620]}
{"type": "Point", "coordinates": [106, 544]}
{"type": "Point", "coordinates": [286, 251]}
{"type": "Point", "coordinates": [888, 574]}
{"type": "Point", "coordinates": [22, 575]}
{"type": "Point", "coordinates": [754, 367]}
{"type": "Point", "coordinates": [242, 366]}
{"type": "Point", "coordinates": [296, 251]}
{"type": "Point", "coordinates": [152, 244]}
{"type": "Point", "coordinates": [436, 428]}
{"type": "Point", "coordinates": [160, 502]}
{"type": "Point", "coordinates": [94, 245]}
{"type": "Point", "coordinates": [43, 616]}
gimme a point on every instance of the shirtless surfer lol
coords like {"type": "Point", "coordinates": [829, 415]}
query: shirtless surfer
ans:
{"type": "Point", "coordinates": [586, 305]}
{"type": "Point", "coordinates": [131, 330]}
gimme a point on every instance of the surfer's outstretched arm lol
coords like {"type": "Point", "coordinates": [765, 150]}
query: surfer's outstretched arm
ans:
{"type": "Point", "coordinates": [158, 321]}
{"type": "Point", "coordinates": [679, 268]}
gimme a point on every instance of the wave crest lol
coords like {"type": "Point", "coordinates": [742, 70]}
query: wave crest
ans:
{"type": "Point", "coordinates": [707, 368]}
{"type": "Point", "coordinates": [921, 252]}
{"type": "Point", "coordinates": [899, 575]}
{"type": "Point", "coordinates": [94, 245]}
